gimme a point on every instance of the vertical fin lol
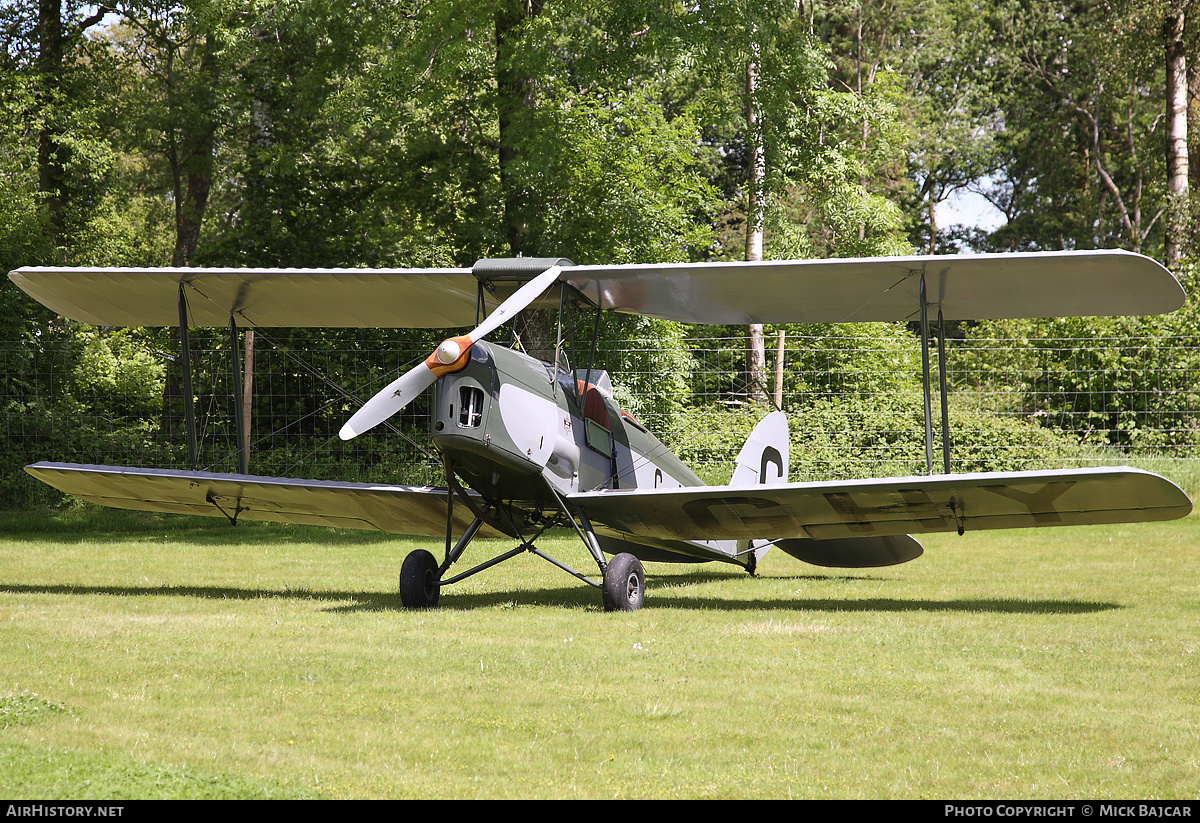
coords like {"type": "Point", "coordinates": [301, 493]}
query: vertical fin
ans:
{"type": "Point", "coordinates": [763, 460]}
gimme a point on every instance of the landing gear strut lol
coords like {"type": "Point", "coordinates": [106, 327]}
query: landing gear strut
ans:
{"type": "Point", "coordinates": [623, 583]}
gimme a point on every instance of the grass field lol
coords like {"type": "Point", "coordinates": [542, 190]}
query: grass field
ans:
{"type": "Point", "coordinates": [145, 656]}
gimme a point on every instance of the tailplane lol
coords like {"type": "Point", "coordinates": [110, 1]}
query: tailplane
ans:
{"type": "Point", "coordinates": [763, 461]}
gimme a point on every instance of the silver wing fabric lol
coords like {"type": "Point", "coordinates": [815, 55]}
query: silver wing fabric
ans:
{"type": "Point", "coordinates": [818, 511]}
{"type": "Point", "coordinates": [412, 510]}
{"type": "Point", "coordinates": [965, 287]}
{"type": "Point", "coordinates": [889, 506]}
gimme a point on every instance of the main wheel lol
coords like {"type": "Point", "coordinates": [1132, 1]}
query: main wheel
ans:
{"type": "Point", "coordinates": [624, 584]}
{"type": "Point", "coordinates": [419, 587]}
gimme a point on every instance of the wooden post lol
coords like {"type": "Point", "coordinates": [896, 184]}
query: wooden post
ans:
{"type": "Point", "coordinates": [779, 350]}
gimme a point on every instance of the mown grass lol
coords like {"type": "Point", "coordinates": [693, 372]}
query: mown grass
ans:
{"type": "Point", "coordinates": [146, 656]}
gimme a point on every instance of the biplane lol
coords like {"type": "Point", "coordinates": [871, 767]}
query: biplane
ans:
{"type": "Point", "coordinates": [528, 444]}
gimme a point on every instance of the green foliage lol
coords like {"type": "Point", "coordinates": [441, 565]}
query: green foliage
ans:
{"type": "Point", "coordinates": [1111, 381]}
{"type": "Point", "coordinates": [650, 363]}
{"type": "Point", "coordinates": [855, 408]}
{"type": "Point", "coordinates": [828, 361]}
{"type": "Point", "coordinates": [1081, 161]}
{"type": "Point", "coordinates": [708, 438]}
{"type": "Point", "coordinates": [619, 182]}
{"type": "Point", "coordinates": [876, 436]}
{"type": "Point", "coordinates": [121, 372]}
{"type": "Point", "coordinates": [24, 237]}
{"type": "Point", "coordinates": [820, 361]}
{"type": "Point", "coordinates": [22, 227]}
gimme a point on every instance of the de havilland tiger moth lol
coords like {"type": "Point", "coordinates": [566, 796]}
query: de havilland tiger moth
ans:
{"type": "Point", "coordinates": [528, 444]}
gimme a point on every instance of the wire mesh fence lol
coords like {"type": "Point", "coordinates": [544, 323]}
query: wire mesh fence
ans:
{"type": "Point", "coordinates": [854, 396]}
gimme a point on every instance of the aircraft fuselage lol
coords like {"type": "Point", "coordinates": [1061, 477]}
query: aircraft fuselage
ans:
{"type": "Point", "coordinates": [514, 426]}
{"type": "Point", "coordinates": [512, 423]}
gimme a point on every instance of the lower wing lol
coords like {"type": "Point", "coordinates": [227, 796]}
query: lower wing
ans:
{"type": "Point", "coordinates": [415, 510]}
{"type": "Point", "coordinates": [889, 506]}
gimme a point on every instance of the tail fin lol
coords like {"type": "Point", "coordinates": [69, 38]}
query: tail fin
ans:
{"type": "Point", "coordinates": [763, 460]}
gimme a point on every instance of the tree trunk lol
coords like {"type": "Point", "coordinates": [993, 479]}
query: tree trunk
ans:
{"type": "Point", "coordinates": [1193, 81]}
{"type": "Point", "coordinates": [55, 37]}
{"type": "Point", "coordinates": [53, 154]}
{"type": "Point", "coordinates": [1177, 135]}
{"type": "Point", "coordinates": [932, 225]}
{"type": "Point", "coordinates": [514, 95]}
{"type": "Point", "coordinates": [193, 169]}
{"type": "Point", "coordinates": [756, 356]}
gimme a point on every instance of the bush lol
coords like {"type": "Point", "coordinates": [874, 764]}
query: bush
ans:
{"type": "Point", "coordinates": [1129, 382]}
{"type": "Point", "coordinates": [881, 436]}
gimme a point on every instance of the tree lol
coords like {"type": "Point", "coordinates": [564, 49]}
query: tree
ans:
{"type": "Point", "coordinates": [1176, 57]}
{"type": "Point", "coordinates": [942, 56]}
{"type": "Point", "coordinates": [802, 187]}
{"type": "Point", "coordinates": [24, 239]}
{"type": "Point", "coordinates": [179, 113]}
{"type": "Point", "coordinates": [60, 77]}
{"type": "Point", "coordinates": [60, 30]}
{"type": "Point", "coordinates": [1083, 114]}
{"type": "Point", "coordinates": [756, 179]}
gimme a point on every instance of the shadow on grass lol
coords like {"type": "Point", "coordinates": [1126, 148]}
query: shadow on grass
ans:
{"type": "Point", "coordinates": [576, 597]}
{"type": "Point", "coordinates": [88, 523]}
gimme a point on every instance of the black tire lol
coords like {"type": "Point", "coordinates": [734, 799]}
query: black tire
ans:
{"type": "Point", "coordinates": [624, 584]}
{"type": "Point", "coordinates": [419, 587]}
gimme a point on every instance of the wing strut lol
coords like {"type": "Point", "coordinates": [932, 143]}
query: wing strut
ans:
{"type": "Point", "coordinates": [941, 329]}
{"type": "Point", "coordinates": [927, 383]}
{"type": "Point", "coordinates": [189, 412]}
{"type": "Point", "coordinates": [239, 415]}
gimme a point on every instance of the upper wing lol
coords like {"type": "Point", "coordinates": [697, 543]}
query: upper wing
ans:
{"type": "Point", "coordinates": [965, 287]}
{"type": "Point", "coordinates": [350, 298]}
{"type": "Point", "coordinates": [889, 506]}
{"type": "Point", "coordinates": [415, 510]}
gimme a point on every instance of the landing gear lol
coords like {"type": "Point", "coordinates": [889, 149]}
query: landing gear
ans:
{"type": "Point", "coordinates": [419, 583]}
{"type": "Point", "coordinates": [624, 588]}
{"type": "Point", "coordinates": [623, 583]}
